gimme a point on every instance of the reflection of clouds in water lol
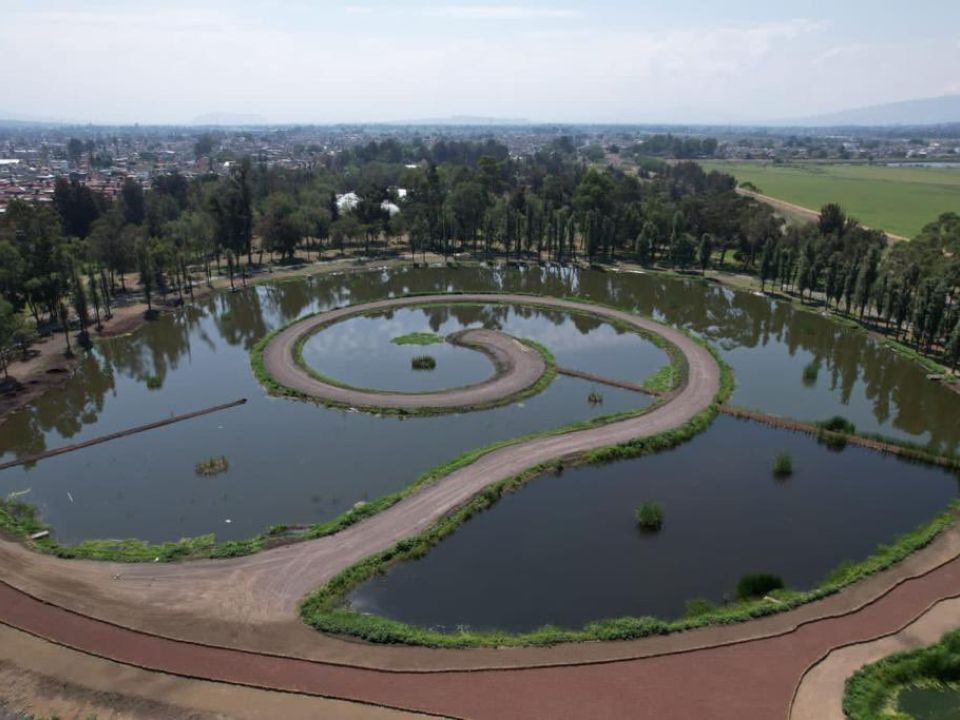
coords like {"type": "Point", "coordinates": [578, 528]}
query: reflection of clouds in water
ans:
{"type": "Point", "coordinates": [374, 333]}
{"type": "Point", "coordinates": [567, 336]}
{"type": "Point", "coordinates": [358, 334]}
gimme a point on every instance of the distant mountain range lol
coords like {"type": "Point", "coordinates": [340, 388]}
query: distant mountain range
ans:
{"type": "Point", "coordinates": [463, 120]}
{"type": "Point", "coordinates": [942, 110]}
{"type": "Point", "coordinates": [925, 111]}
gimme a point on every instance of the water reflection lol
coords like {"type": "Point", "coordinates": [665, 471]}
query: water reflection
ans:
{"type": "Point", "coordinates": [199, 357]}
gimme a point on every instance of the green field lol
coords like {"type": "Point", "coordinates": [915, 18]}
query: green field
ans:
{"type": "Point", "coordinates": [898, 200]}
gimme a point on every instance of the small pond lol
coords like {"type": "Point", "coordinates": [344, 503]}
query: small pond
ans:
{"type": "Point", "coordinates": [930, 703]}
{"type": "Point", "coordinates": [566, 549]}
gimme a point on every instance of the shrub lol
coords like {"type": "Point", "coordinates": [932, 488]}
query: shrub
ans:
{"type": "Point", "coordinates": [212, 466]}
{"type": "Point", "coordinates": [154, 382]}
{"type": "Point", "coordinates": [838, 424]}
{"type": "Point", "coordinates": [595, 398]}
{"type": "Point", "coordinates": [698, 606]}
{"type": "Point", "coordinates": [833, 441]}
{"type": "Point", "coordinates": [650, 516]}
{"type": "Point", "coordinates": [423, 362]}
{"type": "Point", "coordinates": [783, 465]}
{"type": "Point", "coordinates": [872, 689]}
{"type": "Point", "coordinates": [758, 585]}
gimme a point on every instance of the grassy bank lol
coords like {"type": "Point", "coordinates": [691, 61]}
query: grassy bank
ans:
{"type": "Point", "coordinates": [872, 691]}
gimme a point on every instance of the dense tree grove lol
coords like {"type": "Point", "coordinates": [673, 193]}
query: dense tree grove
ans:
{"type": "Point", "coordinates": [63, 266]}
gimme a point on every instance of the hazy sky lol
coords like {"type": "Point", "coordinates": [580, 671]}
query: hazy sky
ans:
{"type": "Point", "coordinates": [605, 60]}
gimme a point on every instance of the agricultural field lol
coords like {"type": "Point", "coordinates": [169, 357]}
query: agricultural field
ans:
{"type": "Point", "coordinates": [899, 200]}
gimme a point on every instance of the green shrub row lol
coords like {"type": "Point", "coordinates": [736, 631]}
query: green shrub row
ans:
{"type": "Point", "coordinates": [872, 691]}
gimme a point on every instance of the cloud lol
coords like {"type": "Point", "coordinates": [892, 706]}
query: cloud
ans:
{"type": "Point", "coordinates": [358, 10]}
{"type": "Point", "coordinates": [172, 63]}
{"type": "Point", "coordinates": [499, 12]}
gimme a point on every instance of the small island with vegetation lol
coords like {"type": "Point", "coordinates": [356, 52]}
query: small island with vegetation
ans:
{"type": "Point", "coordinates": [423, 362]}
{"type": "Point", "coordinates": [418, 338]}
{"type": "Point", "coordinates": [650, 517]}
{"type": "Point", "coordinates": [212, 466]}
{"type": "Point", "coordinates": [783, 465]}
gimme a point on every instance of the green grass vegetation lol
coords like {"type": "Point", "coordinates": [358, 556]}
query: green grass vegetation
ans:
{"type": "Point", "coordinates": [871, 692]}
{"type": "Point", "coordinates": [783, 465]}
{"type": "Point", "coordinates": [663, 380]}
{"type": "Point", "coordinates": [423, 362]}
{"type": "Point", "coordinates": [698, 606]}
{"type": "Point", "coordinates": [757, 585]}
{"type": "Point", "coordinates": [900, 200]}
{"type": "Point", "coordinates": [418, 338]}
{"type": "Point", "coordinates": [650, 517]}
{"type": "Point", "coordinates": [212, 466]}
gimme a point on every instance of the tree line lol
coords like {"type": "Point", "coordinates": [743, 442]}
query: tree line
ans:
{"type": "Point", "coordinates": [66, 264]}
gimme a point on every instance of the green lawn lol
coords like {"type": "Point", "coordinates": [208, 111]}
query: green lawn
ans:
{"type": "Point", "coordinates": [898, 200]}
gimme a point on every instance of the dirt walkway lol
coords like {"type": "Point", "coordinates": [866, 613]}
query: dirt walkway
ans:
{"type": "Point", "coordinates": [820, 695]}
{"type": "Point", "coordinates": [804, 214]}
{"type": "Point", "coordinates": [267, 587]}
{"type": "Point", "coordinates": [518, 366]}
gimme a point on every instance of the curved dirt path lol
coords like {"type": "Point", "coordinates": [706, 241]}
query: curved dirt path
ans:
{"type": "Point", "coordinates": [255, 595]}
{"type": "Point", "coordinates": [518, 366]}
{"type": "Point", "coordinates": [820, 694]}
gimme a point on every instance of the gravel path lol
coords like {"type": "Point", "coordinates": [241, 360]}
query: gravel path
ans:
{"type": "Point", "coordinates": [518, 366]}
{"type": "Point", "coordinates": [267, 587]}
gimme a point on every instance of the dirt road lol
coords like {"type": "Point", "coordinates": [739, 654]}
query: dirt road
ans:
{"type": "Point", "coordinates": [517, 366]}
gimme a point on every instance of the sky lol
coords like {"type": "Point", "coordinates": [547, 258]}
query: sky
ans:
{"type": "Point", "coordinates": [297, 61]}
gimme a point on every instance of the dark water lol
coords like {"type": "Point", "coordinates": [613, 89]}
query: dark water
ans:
{"type": "Point", "coordinates": [930, 703]}
{"type": "Point", "coordinates": [360, 351]}
{"type": "Point", "coordinates": [566, 550]}
{"type": "Point", "coordinates": [293, 461]}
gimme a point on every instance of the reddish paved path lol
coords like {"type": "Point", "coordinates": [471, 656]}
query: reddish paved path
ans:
{"type": "Point", "coordinates": [753, 680]}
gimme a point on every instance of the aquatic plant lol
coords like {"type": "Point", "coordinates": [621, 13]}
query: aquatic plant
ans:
{"type": "Point", "coordinates": [423, 362]}
{"type": "Point", "coordinates": [650, 516]}
{"type": "Point", "coordinates": [783, 465]}
{"type": "Point", "coordinates": [212, 466]}
{"type": "Point", "coordinates": [418, 338]}
{"type": "Point", "coordinates": [757, 585]}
